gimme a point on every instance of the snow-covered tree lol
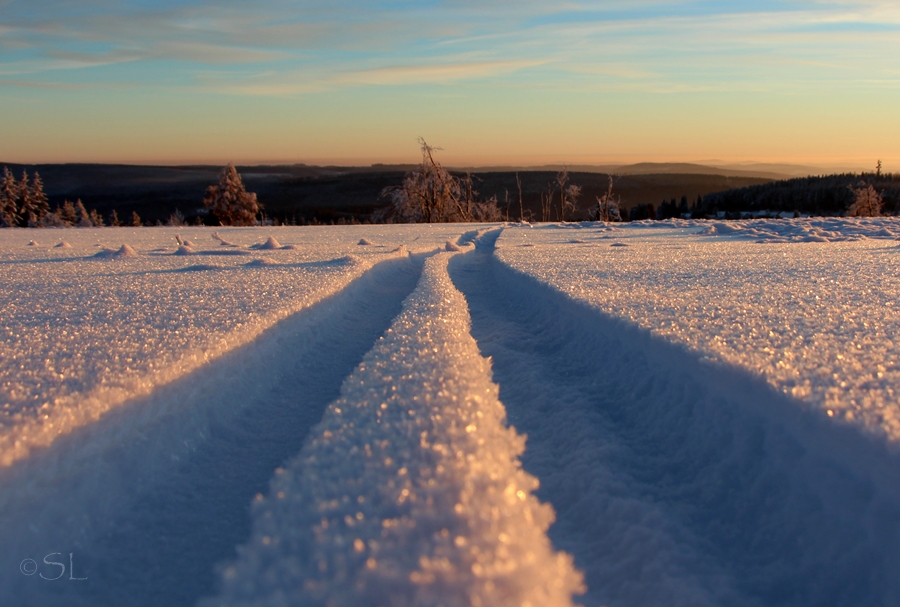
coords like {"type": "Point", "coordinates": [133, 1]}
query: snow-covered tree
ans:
{"type": "Point", "coordinates": [9, 200]}
{"type": "Point", "coordinates": [136, 219]}
{"type": "Point", "coordinates": [114, 219]}
{"type": "Point", "coordinates": [866, 202]}
{"type": "Point", "coordinates": [230, 202]}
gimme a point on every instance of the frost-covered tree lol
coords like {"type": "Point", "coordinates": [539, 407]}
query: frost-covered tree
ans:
{"type": "Point", "coordinates": [866, 202]}
{"type": "Point", "coordinates": [96, 218]}
{"type": "Point", "coordinates": [114, 219]}
{"type": "Point", "coordinates": [567, 194]}
{"type": "Point", "coordinates": [83, 217]}
{"type": "Point", "coordinates": [39, 201]}
{"type": "Point", "coordinates": [607, 208]}
{"type": "Point", "coordinates": [136, 219]}
{"type": "Point", "coordinates": [176, 219]}
{"type": "Point", "coordinates": [430, 194]}
{"type": "Point", "coordinates": [9, 200]}
{"type": "Point", "coordinates": [230, 202]}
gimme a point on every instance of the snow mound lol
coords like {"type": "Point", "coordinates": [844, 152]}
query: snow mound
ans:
{"type": "Point", "coordinates": [820, 229]}
{"type": "Point", "coordinates": [269, 245]}
{"type": "Point", "coordinates": [184, 249]}
{"type": "Point", "coordinates": [32, 243]}
{"type": "Point", "coordinates": [410, 491]}
{"type": "Point", "coordinates": [257, 263]}
{"type": "Point", "coordinates": [364, 242]}
{"type": "Point", "coordinates": [451, 246]}
{"type": "Point", "coordinates": [189, 243]}
{"type": "Point", "coordinates": [122, 252]}
{"type": "Point", "coordinates": [62, 245]}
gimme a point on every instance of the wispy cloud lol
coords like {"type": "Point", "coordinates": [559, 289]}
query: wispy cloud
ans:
{"type": "Point", "coordinates": [674, 43]}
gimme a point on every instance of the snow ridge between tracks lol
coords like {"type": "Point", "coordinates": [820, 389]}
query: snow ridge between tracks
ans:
{"type": "Point", "coordinates": [410, 491]}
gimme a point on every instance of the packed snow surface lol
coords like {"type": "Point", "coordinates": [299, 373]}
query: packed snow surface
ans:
{"type": "Point", "coordinates": [281, 416]}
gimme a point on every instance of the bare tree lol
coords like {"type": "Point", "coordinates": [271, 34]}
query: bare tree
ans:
{"type": "Point", "coordinates": [568, 194]}
{"type": "Point", "coordinates": [607, 208]}
{"type": "Point", "coordinates": [230, 202]}
{"type": "Point", "coordinates": [521, 204]}
{"type": "Point", "coordinates": [866, 202]}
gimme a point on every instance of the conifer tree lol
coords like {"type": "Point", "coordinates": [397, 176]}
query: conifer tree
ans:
{"type": "Point", "coordinates": [230, 202]}
{"type": "Point", "coordinates": [9, 200]}
{"type": "Point", "coordinates": [114, 219]}
{"type": "Point", "coordinates": [83, 217]}
{"type": "Point", "coordinates": [136, 219]}
{"type": "Point", "coordinates": [26, 202]}
{"type": "Point", "coordinates": [96, 218]}
{"type": "Point", "coordinates": [39, 200]}
{"type": "Point", "coordinates": [67, 214]}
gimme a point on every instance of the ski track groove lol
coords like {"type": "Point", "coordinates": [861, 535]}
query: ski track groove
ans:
{"type": "Point", "coordinates": [678, 482]}
{"type": "Point", "coordinates": [152, 496]}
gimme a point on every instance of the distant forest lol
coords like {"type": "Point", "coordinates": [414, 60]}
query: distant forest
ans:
{"type": "Point", "coordinates": [825, 195]}
{"type": "Point", "coordinates": [301, 194]}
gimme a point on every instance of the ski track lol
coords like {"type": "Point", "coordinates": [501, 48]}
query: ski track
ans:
{"type": "Point", "coordinates": [410, 492]}
{"type": "Point", "coordinates": [678, 481]}
{"type": "Point", "coordinates": [152, 495]}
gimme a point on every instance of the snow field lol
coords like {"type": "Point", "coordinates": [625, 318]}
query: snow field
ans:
{"type": "Point", "coordinates": [712, 419]}
{"type": "Point", "coordinates": [82, 334]}
{"type": "Point", "coordinates": [409, 492]}
{"type": "Point", "coordinates": [817, 320]}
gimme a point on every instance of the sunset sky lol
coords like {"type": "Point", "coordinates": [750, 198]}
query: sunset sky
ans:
{"type": "Point", "coordinates": [489, 81]}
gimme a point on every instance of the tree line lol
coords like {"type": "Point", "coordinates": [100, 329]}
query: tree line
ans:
{"type": "Point", "coordinates": [430, 193]}
{"type": "Point", "coordinates": [844, 194]}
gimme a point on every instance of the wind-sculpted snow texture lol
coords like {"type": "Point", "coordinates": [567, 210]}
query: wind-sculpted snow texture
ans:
{"type": "Point", "coordinates": [410, 492]}
{"type": "Point", "coordinates": [81, 334]}
{"type": "Point", "coordinates": [819, 321]}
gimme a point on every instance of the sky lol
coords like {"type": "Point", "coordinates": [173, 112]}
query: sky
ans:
{"type": "Point", "coordinates": [488, 81]}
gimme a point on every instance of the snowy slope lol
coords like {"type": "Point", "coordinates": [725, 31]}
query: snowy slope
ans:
{"type": "Point", "coordinates": [710, 410]}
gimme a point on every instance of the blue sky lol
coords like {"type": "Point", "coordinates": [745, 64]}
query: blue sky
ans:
{"type": "Point", "coordinates": [489, 81]}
